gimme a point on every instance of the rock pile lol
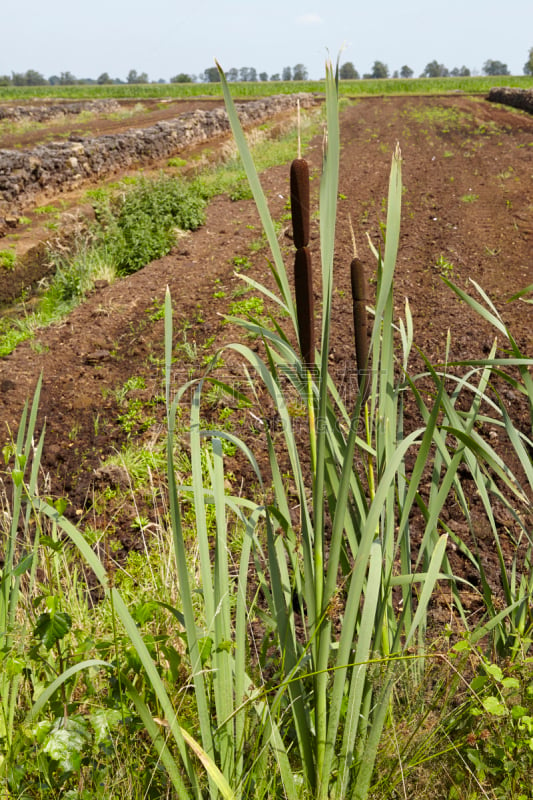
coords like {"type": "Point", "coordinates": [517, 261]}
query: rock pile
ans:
{"type": "Point", "coordinates": [58, 166]}
{"type": "Point", "coordinates": [518, 98]}
{"type": "Point", "coordinates": [49, 111]}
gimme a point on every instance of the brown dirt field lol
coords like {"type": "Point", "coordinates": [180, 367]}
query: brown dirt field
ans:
{"type": "Point", "coordinates": [468, 202]}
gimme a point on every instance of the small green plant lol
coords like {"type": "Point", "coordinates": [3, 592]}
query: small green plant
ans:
{"type": "Point", "coordinates": [141, 224]}
{"type": "Point", "coordinates": [7, 259]}
{"type": "Point", "coordinates": [240, 190]}
{"type": "Point", "coordinates": [495, 725]}
{"type": "Point", "coordinates": [176, 162]}
{"type": "Point", "coordinates": [469, 198]}
{"type": "Point", "coordinates": [50, 209]}
{"type": "Point", "coordinates": [241, 262]}
{"type": "Point", "coordinates": [249, 307]}
{"type": "Point", "coordinates": [156, 311]}
{"type": "Point", "coordinates": [444, 267]}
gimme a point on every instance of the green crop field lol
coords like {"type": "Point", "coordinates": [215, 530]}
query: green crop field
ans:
{"type": "Point", "coordinates": [469, 85]}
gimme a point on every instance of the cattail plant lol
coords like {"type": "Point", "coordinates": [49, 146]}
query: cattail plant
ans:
{"type": "Point", "coordinates": [359, 298]}
{"type": "Point", "coordinates": [303, 271]}
{"type": "Point", "coordinates": [313, 730]}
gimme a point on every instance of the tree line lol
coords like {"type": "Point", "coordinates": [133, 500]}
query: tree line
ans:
{"type": "Point", "coordinates": [299, 72]}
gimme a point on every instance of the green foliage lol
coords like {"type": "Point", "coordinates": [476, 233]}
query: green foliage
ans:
{"type": "Point", "coordinates": [492, 67]}
{"type": "Point", "coordinates": [7, 259]}
{"type": "Point", "coordinates": [495, 725]}
{"type": "Point", "coordinates": [444, 267]}
{"type": "Point", "coordinates": [528, 66]}
{"type": "Point", "coordinates": [145, 222]}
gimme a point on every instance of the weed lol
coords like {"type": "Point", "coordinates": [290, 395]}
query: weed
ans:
{"type": "Point", "coordinates": [145, 224]}
{"type": "Point", "coordinates": [469, 198]}
{"type": "Point", "coordinates": [46, 210]}
{"type": "Point", "coordinates": [505, 174]}
{"type": "Point", "coordinates": [241, 262]}
{"type": "Point", "coordinates": [257, 245]}
{"type": "Point", "coordinates": [156, 311]}
{"type": "Point", "coordinates": [7, 259]}
{"type": "Point", "coordinates": [444, 267]}
{"type": "Point", "coordinates": [251, 307]}
{"type": "Point", "coordinates": [176, 162]}
{"type": "Point", "coordinates": [240, 190]}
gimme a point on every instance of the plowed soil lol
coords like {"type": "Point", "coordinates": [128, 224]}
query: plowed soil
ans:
{"type": "Point", "coordinates": [467, 213]}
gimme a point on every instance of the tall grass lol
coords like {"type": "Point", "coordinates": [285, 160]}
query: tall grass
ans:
{"type": "Point", "coordinates": [296, 637]}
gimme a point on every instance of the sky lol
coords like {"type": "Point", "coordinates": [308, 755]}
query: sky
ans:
{"type": "Point", "coordinates": [164, 38]}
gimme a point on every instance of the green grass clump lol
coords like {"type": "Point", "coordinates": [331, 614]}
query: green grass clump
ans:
{"type": "Point", "coordinates": [143, 224]}
{"type": "Point", "coordinates": [7, 259]}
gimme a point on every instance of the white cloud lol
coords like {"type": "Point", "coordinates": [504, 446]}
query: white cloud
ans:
{"type": "Point", "coordinates": [310, 19]}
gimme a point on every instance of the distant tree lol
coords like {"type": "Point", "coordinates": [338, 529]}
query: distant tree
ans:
{"type": "Point", "coordinates": [103, 79]}
{"type": "Point", "coordinates": [435, 70]}
{"type": "Point", "coordinates": [67, 79]}
{"type": "Point", "coordinates": [492, 67]}
{"type": "Point", "coordinates": [395, 74]}
{"type": "Point", "coordinates": [210, 75]}
{"type": "Point", "coordinates": [29, 78]}
{"type": "Point", "coordinates": [528, 66]}
{"type": "Point", "coordinates": [53, 80]}
{"type": "Point", "coordinates": [134, 77]}
{"type": "Point", "coordinates": [379, 70]}
{"type": "Point", "coordinates": [348, 72]}
{"type": "Point", "coordinates": [181, 77]}
{"type": "Point", "coordinates": [252, 74]}
{"type": "Point", "coordinates": [286, 74]}
{"type": "Point", "coordinates": [34, 78]}
{"type": "Point", "coordinates": [5, 80]}
{"type": "Point", "coordinates": [275, 77]}
{"type": "Point", "coordinates": [263, 77]}
{"type": "Point", "coordinates": [299, 73]}
{"type": "Point", "coordinates": [460, 72]}
{"type": "Point", "coordinates": [232, 74]}
{"type": "Point", "coordinates": [406, 72]}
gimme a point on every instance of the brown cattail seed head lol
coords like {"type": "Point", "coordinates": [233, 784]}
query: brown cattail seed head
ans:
{"type": "Point", "coordinates": [359, 297]}
{"type": "Point", "coordinates": [300, 202]}
{"type": "Point", "coordinates": [305, 306]}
